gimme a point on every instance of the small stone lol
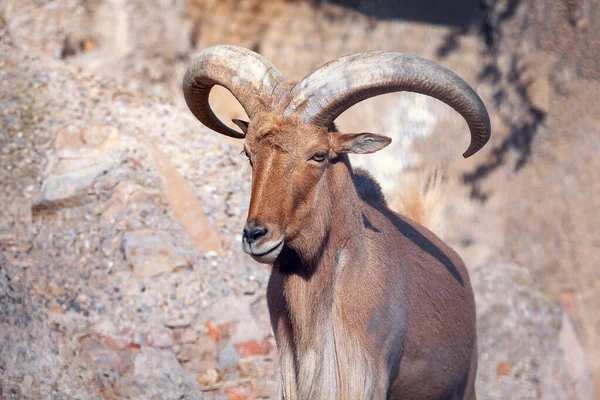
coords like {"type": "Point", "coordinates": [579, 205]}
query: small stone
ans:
{"type": "Point", "coordinates": [176, 379]}
{"type": "Point", "coordinates": [209, 377]}
{"type": "Point", "coordinates": [68, 138]}
{"type": "Point", "coordinates": [120, 342]}
{"type": "Point", "coordinates": [67, 188]}
{"type": "Point", "coordinates": [228, 357]}
{"type": "Point", "coordinates": [159, 338]}
{"type": "Point", "coordinates": [184, 336]}
{"type": "Point", "coordinates": [538, 93]}
{"type": "Point", "coordinates": [253, 348]}
{"type": "Point", "coordinates": [503, 369]}
{"type": "Point", "coordinates": [196, 366]}
{"type": "Point", "coordinates": [248, 369]}
{"type": "Point", "coordinates": [583, 24]}
{"type": "Point", "coordinates": [7, 238]}
{"type": "Point", "coordinates": [179, 324]}
{"type": "Point", "coordinates": [151, 253]}
{"type": "Point", "coordinates": [188, 352]}
{"type": "Point", "coordinates": [99, 136]}
{"type": "Point", "coordinates": [157, 371]}
{"type": "Point", "coordinates": [227, 329]}
{"type": "Point", "coordinates": [210, 254]}
{"type": "Point", "coordinates": [264, 388]}
{"type": "Point", "coordinates": [97, 351]}
{"type": "Point", "coordinates": [124, 194]}
{"type": "Point", "coordinates": [239, 393]}
{"type": "Point", "coordinates": [212, 329]}
{"type": "Point", "coordinates": [27, 382]}
{"type": "Point", "coordinates": [207, 348]}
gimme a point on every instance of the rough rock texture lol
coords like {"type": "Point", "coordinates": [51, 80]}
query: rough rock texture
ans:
{"type": "Point", "coordinates": [36, 359]}
{"type": "Point", "coordinates": [151, 253]}
{"type": "Point", "coordinates": [521, 334]}
{"type": "Point", "coordinates": [543, 172]}
{"type": "Point", "coordinates": [74, 254]}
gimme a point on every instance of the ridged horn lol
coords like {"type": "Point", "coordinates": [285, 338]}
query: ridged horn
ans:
{"type": "Point", "coordinates": [326, 93]}
{"type": "Point", "coordinates": [250, 77]}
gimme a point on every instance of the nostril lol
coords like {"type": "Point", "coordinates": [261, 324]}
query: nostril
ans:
{"type": "Point", "coordinates": [251, 234]}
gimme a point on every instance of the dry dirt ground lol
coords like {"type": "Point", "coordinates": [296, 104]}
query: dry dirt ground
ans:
{"type": "Point", "coordinates": [122, 273]}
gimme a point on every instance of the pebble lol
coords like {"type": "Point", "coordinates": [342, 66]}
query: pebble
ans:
{"type": "Point", "coordinates": [159, 338]}
{"type": "Point", "coordinates": [253, 348]}
{"type": "Point", "coordinates": [210, 254]}
{"type": "Point", "coordinates": [152, 253]}
{"type": "Point", "coordinates": [228, 356]}
{"type": "Point", "coordinates": [27, 382]}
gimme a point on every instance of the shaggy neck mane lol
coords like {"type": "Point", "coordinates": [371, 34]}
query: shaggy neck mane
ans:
{"type": "Point", "coordinates": [319, 348]}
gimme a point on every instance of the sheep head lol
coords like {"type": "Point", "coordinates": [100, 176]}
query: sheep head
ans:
{"type": "Point", "coordinates": [287, 139]}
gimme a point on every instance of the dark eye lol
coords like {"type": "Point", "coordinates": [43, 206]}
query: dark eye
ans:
{"type": "Point", "coordinates": [319, 156]}
{"type": "Point", "coordinates": [247, 156]}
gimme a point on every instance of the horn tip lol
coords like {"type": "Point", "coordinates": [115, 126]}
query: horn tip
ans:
{"type": "Point", "coordinates": [475, 146]}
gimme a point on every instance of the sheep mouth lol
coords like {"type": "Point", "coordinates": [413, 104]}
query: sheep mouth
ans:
{"type": "Point", "coordinates": [265, 256]}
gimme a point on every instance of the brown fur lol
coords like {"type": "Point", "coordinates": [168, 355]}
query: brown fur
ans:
{"type": "Point", "coordinates": [420, 197]}
{"type": "Point", "coordinates": [364, 303]}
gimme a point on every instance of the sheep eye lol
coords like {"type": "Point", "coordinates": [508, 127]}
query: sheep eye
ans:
{"type": "Point", "coordinates": [319, 156]}
{"type": "Point", "coordinates": [245, 151]}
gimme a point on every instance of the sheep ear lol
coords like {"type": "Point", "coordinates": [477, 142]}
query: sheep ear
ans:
{"type": "Point", "coordinates": [243, 125]}
{"type": "Point", "coordinates": [358, 143]}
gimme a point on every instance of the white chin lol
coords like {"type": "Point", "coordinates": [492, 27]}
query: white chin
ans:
{"type": "Point", "coordinates": [266, 257]}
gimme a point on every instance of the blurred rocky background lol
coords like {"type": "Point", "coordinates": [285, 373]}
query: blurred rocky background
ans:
{"type": "Point", "coordinates": [121, 270]}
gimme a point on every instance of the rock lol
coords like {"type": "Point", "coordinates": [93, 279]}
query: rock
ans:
{"type": "Point", "coordinates": [69, 137]}
{"type": "Point", "coordinates": [260, 313]}
{"type": "Point", "coordinates": [253, 348]}
{"type": "Point", "coordinates": [188, 352]}
{"type": "Point", "coordinates": [518, 329]}
{"type": "Point", "coordinates": [237, 319]}
{"type": "Point", "coordinates": [159, 338]}
{"type": "Point", "coordinates": [248, 369]}
{"type": "Point", "coordinates": [534, 74]}
{"type": "Point", "coordinates": [181, 323]}
{"type": "Point", "coordinates": [125, 193]}
{"type": "Point", "coordinates": [152, 253]}
{"type": "Point", "coordinates": [265, 388]}
{"type": "Point", "coordinates": [93, 137]}
{"type": "Point", "coordinates": [7, 238]}
{"type": "Point", "coordinates": [186, 205]}
{"type": "Point", "coordinates": [26, 383]}
{"type": "Point", "coordinates": [211, 254]}
{"type": "Point", "coordinates": [212, 329]}
{"type": "Point", "coordinates": [67, 188]}
{"type": "Point", "coordinates": [81, 157]}
{"type": "Point", "coordinates": [227, 329]}
{"type": "Point", "coordinates": [207, 348]}
{"type": "Point", "coordinates": [120, 342]}
{"type": "Point", "coordinates": [184, 336]}
{"type": "Point", "coordinates": [209, 377]}
{"type": "Point", "coordinates": [579, 378]}
{"type": "Point", "coordinates": [157, 374]}
{"type": "Point", "coordinates": [197, 367]}
{"type": "Point", "coordinates": [239, 393]}
{"type": "Point", "coordinates": [538, 93]}
{"type": "Point", "coordinates": [199, 357]}
{"type": "Point", "coordinates": [100, 136]}
{"type": "Point", "coordinates": [228, 357]}
{"type": "Point", "coordinates": [104, 356]}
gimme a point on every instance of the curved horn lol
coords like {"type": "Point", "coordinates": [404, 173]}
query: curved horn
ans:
{"type": "Point", "coordinates": [250, 77]}
{"type": "Point", "coordinates": [326, 93]}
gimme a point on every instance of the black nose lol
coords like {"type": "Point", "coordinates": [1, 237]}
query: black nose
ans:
{"type": "Point", "coordinates": [254, 233]}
